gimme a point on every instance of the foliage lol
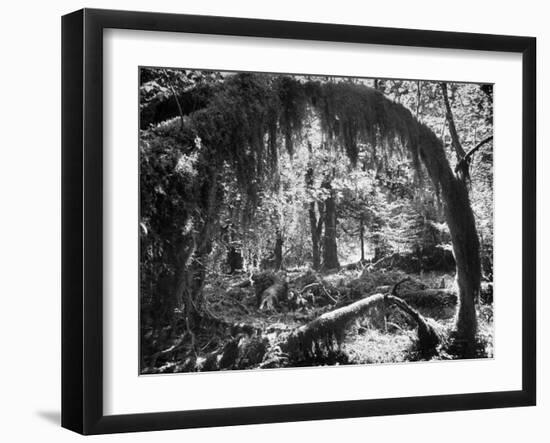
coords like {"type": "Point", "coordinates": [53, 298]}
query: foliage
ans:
{"type": "Point", "coordinates": [236, 164]}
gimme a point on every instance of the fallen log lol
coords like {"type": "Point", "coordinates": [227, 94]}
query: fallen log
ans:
{"type": "Point", "coordinates": [322, 334]}
{"type": "Point", "coordinates": [327, 329]}
{"type": "Point", "coordinates": [428, 334]}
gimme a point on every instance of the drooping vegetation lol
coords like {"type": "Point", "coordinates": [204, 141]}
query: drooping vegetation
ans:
{"type": "Point", "coordinates": [269, 201]}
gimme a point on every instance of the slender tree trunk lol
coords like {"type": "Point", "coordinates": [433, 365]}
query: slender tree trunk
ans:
{"type": "Point", "coordinates": [362, 239]}
{"type": "Point", "coordinates": [315, 237]}
{"type": "Point", "coordinates": [452, 128]}
{"type": "Point", "coordinates": [315, 224]}
{"type": "Point", "coordinates": [330, 250]}
{"type": "Point", "coordinates": [174, 93]}
{"type": "Point", "coordinates": [418, 99]}
{"type": "Point", "coordinates": [278, 252]}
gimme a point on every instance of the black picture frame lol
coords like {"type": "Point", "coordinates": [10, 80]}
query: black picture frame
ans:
{"type": "Point", "coordinates": [82, 219]}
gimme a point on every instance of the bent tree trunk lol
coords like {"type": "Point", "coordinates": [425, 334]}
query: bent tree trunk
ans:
{"type": "Point", "coordinates": [330, 251]}
{"type": "Point", "coordinates": [460, 219]}
{"type": "Point", "coordinates": [461, 222]}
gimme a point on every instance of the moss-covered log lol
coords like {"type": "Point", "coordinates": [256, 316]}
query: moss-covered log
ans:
{"type": "Point", "coordinates": [428, 335]}
{"type": "Point", "coordinates": [329, 329]}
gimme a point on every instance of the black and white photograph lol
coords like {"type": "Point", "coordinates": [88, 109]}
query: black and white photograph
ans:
{"type": "Point", "coordinates": [291, 220]}
{"type": "Point", "coordinates": [272, 222]}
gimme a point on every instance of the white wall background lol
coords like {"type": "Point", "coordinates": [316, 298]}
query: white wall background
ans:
{"type": "Point", "coordinates": [30, 219]}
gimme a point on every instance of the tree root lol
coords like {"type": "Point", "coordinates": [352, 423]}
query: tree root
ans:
{"type": "Point", "coordinates": [177, 345]}
{"type": "Point", "coordinates": [240, 352]}
{"type": "Point", "coordinates": [318, 341]}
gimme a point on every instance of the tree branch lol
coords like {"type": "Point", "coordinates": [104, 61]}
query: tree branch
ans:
{"type": "Point", "coordinates": [394, 289]}
{"type": "Point", "coordinates": [465, 162]}
{"type": "Point", "coordinates": [460, 153]}
{"type": "Point", "coordinates": [479, 145]}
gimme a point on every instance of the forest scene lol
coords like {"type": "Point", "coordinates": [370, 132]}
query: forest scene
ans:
{"type": "Point", "coordinates": [305, 220]}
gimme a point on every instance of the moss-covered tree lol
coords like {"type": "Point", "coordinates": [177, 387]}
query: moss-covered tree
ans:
{"type": "Point", "coordinates": [241, 127]}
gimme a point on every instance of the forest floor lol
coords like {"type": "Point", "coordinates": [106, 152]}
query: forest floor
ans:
{"type": "Point", "coordinates": [384, 335]}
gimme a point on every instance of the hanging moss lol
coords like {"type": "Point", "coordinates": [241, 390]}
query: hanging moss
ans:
{"type": "Point", "coordinates": [355, 115]}
{"type": "Point", "coordinates": [236, 125]}
{"type": "Point", "coordinates": [293, 108]}
{"type": "Point", "coordinates": [249, 116]}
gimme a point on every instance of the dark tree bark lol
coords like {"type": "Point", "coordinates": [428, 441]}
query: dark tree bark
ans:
{"type": "Point", "coordinates": [234, 260]}
{"type": "Point", "coordinates": [330, 249]}
{"type": "Point", "coordinates": [460, 219]}
{"type": "Point", "coordinates": [452, 128]}
{"type": "Point", "coordinates": [315, 236]}
{"type": "Point", "coordinates": [278, 251]}
{"type": "Point", "coordinates": [362, 239]}
{"type": "Point", "coordinates": [315, 224]}
{"type": "Point", "coordinates": [418, 98]}
{"type": "Point", "coordinates": [461, 222]}
{"type": "Point", "coordinates": [234, 257]}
